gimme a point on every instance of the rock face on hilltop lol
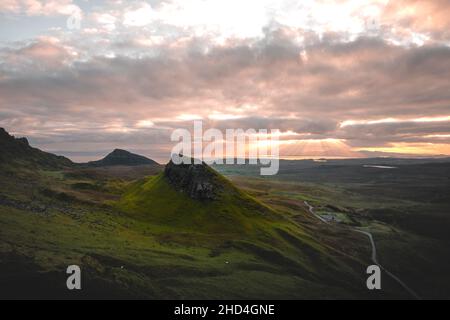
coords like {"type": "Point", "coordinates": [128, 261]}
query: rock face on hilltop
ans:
{"type": "Point", "coordinates": [18, 150]}
{"type": "Point", "coordinates": [11, 144]}
{"type": "Point", "coordinates": [122, 158]}
{"type": "Point", "coordinates": [198, 181]}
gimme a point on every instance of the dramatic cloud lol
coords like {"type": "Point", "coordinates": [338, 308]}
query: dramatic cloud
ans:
{"type": "Point", "coordinates": [347, 76]}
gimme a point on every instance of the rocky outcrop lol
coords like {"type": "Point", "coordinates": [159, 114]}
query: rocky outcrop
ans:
{"type": "Point", "coordinates": [198, 181]}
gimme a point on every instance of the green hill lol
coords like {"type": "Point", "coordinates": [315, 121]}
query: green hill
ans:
{"type": "Point", "coordinates": [193, 205]}
{"type": "Point", "coordinates": [196, 198]}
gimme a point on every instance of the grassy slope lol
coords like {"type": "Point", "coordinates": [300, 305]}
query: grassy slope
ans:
{"type": "Point", "coordinates": [235, 222]}
{"type": "Point", "coordinates": [410, 230]}
{"type": "Point", "coordinates": [154, 243]}
{"type": "Point", "coordinates": [153, 199]}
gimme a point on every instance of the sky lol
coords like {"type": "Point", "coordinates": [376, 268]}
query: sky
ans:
{"type": "Point", "coordinates": [340, 78]}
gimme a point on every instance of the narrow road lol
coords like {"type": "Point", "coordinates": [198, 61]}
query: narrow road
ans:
{"type": "Point", "coordinates": [374, 252]}
{"type": "Point", "coordinates": [311, 210]}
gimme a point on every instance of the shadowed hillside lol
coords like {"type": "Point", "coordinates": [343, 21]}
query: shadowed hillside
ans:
{"type": "Point", "coordinates": [17, 151]}
{"type": "Point", "coordinates": [122, 158]}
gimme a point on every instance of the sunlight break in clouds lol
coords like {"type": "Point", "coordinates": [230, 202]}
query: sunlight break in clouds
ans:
{"type": "Point", "coordinates": [393, 120]}
{"type": "Point", "coordinates": [338, 78]}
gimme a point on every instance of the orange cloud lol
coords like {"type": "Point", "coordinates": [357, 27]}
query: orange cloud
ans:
{"type": "Point", "coordinates": [429, 17]}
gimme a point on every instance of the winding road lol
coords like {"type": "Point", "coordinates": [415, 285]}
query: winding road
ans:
{"type": "Point", "coordinates": [374, 252]}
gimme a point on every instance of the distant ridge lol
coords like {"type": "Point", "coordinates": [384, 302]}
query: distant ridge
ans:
{"type": "Point", "coordinates": [19, 152]}
{"type": "Point", "coordinates": [122, 158]}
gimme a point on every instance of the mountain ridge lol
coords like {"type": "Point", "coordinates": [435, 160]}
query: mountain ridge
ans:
{"type": "Point", "coordinates": [120, 157]}
{"type": "Point", "coordinates": [18, 151]}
